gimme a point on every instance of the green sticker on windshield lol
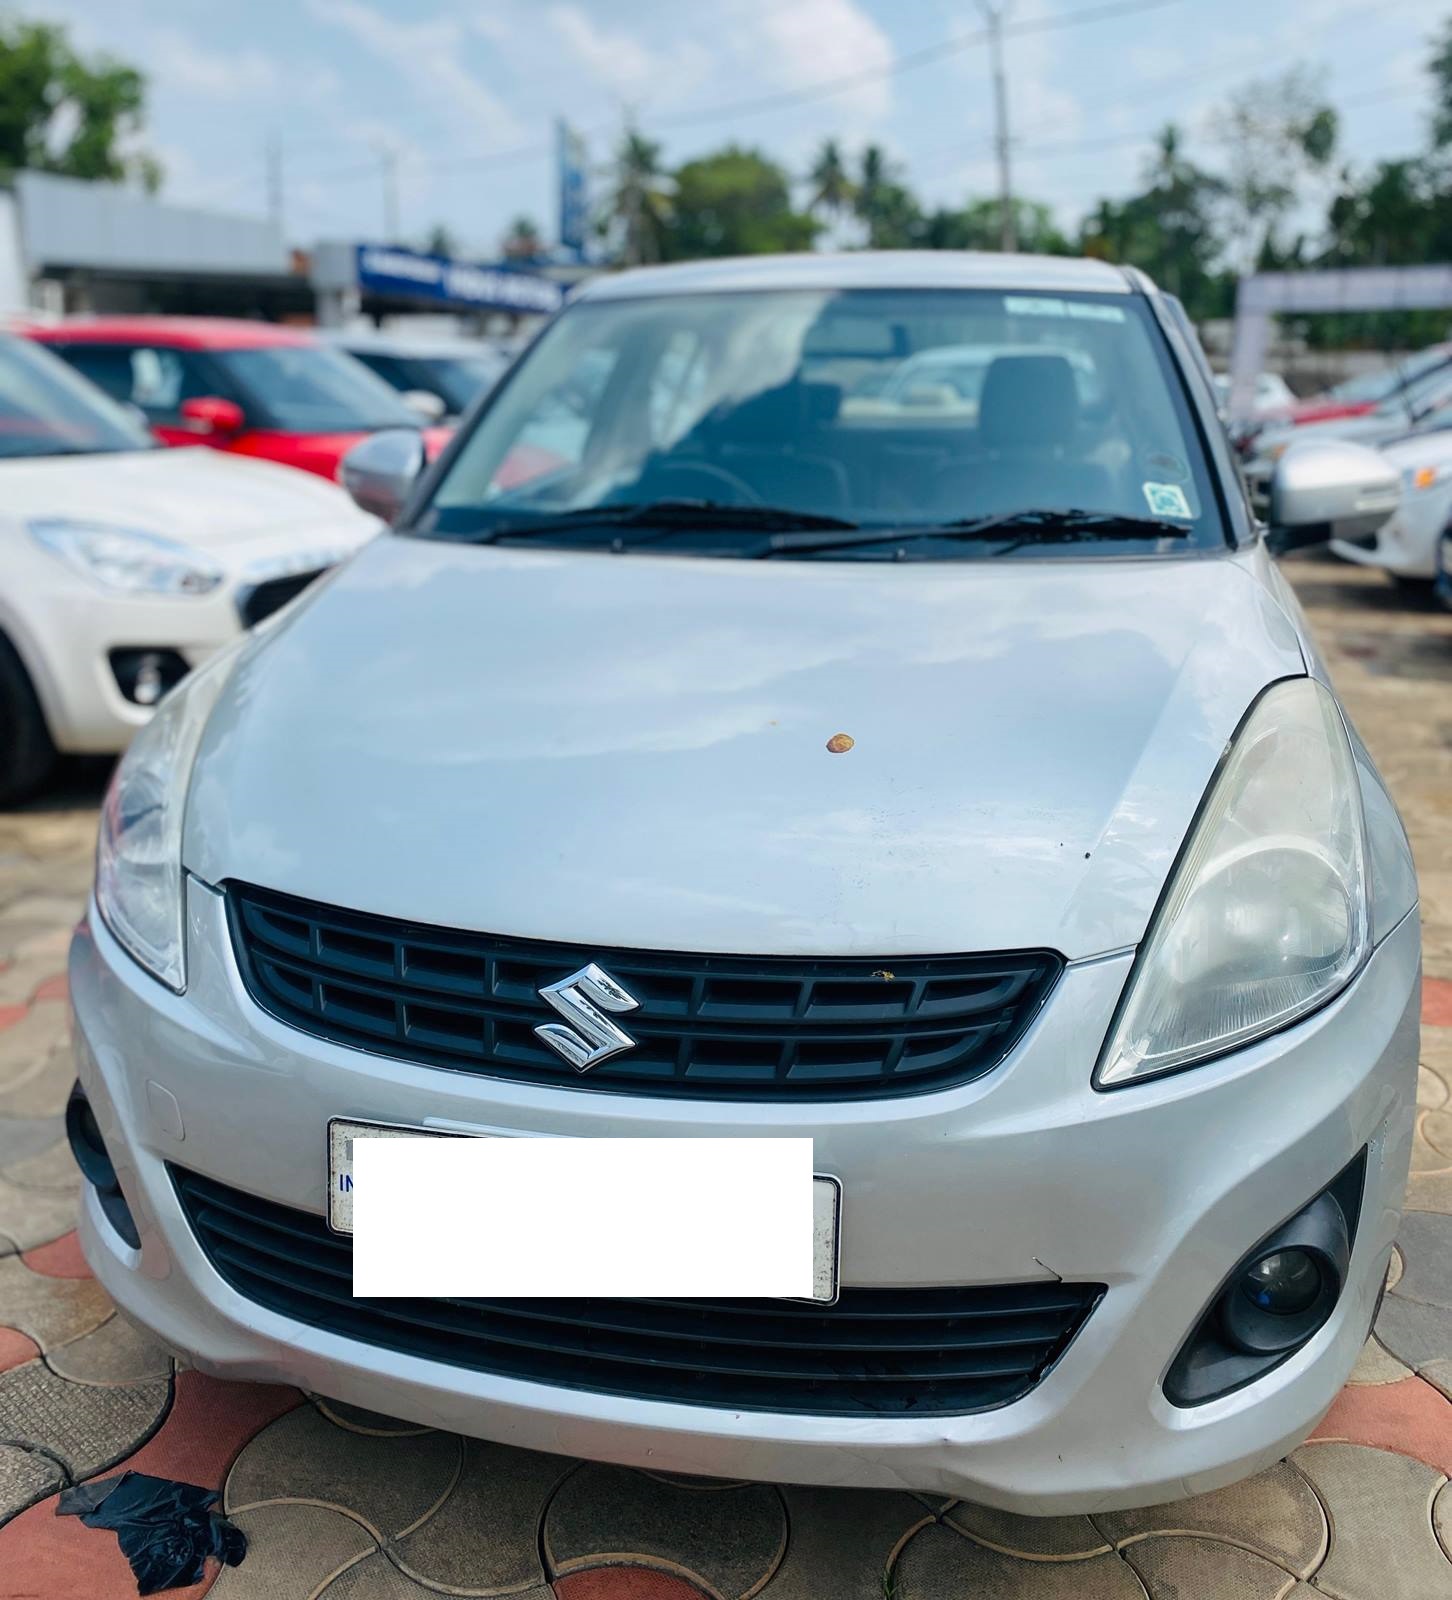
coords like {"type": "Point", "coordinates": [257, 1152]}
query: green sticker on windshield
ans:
{"type": "Point", "coordinates": [1168, 500]}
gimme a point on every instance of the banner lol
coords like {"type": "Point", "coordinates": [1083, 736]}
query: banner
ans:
{"type": "Point", "coordinates": [388, 269]}
{"type": "Point", "coordinates": [574, 189]}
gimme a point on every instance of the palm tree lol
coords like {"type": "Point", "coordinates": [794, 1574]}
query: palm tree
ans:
{"type": "Point", "coordinates": [833, 190]}
{"type": "Point", "coordinates": [640, 203]}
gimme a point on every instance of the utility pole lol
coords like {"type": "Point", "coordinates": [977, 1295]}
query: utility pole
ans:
{"type": "Point", "coordinates": [388, 155]}
{"type": "Point", "coordinates": [993, 14]}
{"type": "Point", "coordinates": [274, 181]}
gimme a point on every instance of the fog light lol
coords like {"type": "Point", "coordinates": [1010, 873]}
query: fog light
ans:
{"type": "Point", "coordinates": [143, 676]}
{"type": "Point", "coordinates": [1285, 1283]}
{"type": "Point", "coordinates": [83, 1133]}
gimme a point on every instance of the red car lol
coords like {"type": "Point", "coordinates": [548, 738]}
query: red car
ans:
{"type": "Point", "coordinates": [249, 387]}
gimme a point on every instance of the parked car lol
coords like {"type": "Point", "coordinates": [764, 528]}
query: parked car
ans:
{"type": "Point", "coordinates": [250, 388]}
{"type": "Point", "coordinates": [966, 796]}
{"type": "Point", "coordinates": [1271, 397]}
{"type": "Point", "coordinates": [438, 378]}
{"type": "Point", "coordinates": [1405, 547]}
{"type": "Point", "coordinates": [1424, 405]}
{"type": "Point", "coordinates": [122, 565]}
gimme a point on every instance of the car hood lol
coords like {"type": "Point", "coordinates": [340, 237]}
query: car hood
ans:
{"type": "Point", "coordinates": [201, 497]}
{"type": "Point", "coordinates": [632, 751]}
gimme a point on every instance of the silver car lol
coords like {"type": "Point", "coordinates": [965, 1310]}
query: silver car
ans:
{"type": "Point", "coordinates": [960, 791]}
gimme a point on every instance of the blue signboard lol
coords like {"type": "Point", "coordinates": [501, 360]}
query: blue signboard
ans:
{"type": "Point", "coordinates": [574, 189]}
{"type": "Point", "coordinates": [388, 269]}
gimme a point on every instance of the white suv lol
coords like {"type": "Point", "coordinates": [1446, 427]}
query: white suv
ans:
{"type": "Point", "coordinates": [123, 565]}
{"type": "Point", "coordinates": [960, 790]}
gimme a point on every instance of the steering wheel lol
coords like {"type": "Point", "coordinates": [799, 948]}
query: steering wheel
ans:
{"type": "Point", "coordinates": [658, 477]}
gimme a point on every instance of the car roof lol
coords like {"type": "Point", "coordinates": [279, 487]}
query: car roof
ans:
{"type": "Point", "coordinates": [866, 269]}
{"type": "Point", "coordinates": [178, 333]}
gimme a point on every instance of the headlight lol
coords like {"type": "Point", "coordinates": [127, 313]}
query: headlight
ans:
{"type": "Point", "coordinates": [1266, 915]}
{"type": "Point", "coordinates": [128, 559]}
{"type": "Point", "coordinates": [138, 853]}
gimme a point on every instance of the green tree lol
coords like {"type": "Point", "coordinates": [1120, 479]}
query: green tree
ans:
{"type": "Point", "coordinates": [1440, 66]}
{"type": "Point", "coordinates": [62, 113]}
{"type": "Point", "coordinates": [639, 208]}
{"type": "Point", "coordinates": [832, 188]}
{"type": "Point", "coordinates": [440, 241]}
{"type": "Point", "coordinates": [1276, 133]}
{"type": "Point", "coordinates": [884, 203]}
{"type": "Point", "coordinates": [976, 226]}
{"type": "Point", "coordinates": [735, 202]}
{"type": "Point", "coordinates": [1169, 228]}
{"type": "Point", "coordinates": [522, 242]}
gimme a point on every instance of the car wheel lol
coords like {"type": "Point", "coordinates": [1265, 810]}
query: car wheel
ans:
{"type": "Point", "coordinates": [26, 752]}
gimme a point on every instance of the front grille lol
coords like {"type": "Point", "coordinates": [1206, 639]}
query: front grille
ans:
{"type": "Point", "coordinates": [710, 1026]}
{"type": "Point", "coordinates": [264, 598]}
{"type": "Point", "coordinates": [918, 1351]}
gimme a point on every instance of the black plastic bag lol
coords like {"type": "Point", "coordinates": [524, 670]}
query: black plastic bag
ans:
{"type": "Point", "coordinates": [166, 1529]}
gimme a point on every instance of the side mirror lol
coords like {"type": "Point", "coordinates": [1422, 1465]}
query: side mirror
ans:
{"type": "Point", "coordinates": [1325, 489]}
{"type": "Point", "coordinates": [424, 403]}
{"type": "Point", "coordinates": [211, 414]}
{"type": "Point", "coordinates": [380, 471]}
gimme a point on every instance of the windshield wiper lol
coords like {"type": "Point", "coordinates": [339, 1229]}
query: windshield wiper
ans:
{"type": "Point", "coordinates": [670, 516]}
{"type": "Point", "coordinates": [1013, 528]}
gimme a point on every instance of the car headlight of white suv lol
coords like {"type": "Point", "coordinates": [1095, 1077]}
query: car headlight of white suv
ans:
{"type": "Point", "coordinates": [128, 559]}
{"type": "Point", "coordinates": [139, 848]}
{"type": "Point", "coordinates": [1267, 914]}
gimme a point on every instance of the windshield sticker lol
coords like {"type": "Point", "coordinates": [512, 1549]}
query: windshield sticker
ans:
{"type": "Point", "coordinates": [1036, 306]}
{"type": "Point", "coordinates": [1168, 500]}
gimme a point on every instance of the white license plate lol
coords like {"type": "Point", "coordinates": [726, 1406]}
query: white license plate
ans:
{"type": "Point", "coordinates": [826, 1196]}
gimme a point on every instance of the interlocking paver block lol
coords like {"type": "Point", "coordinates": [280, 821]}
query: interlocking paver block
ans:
{"type": "Point", "coordinates": [1186, 1568]}
{"type": "Point", "coordinates": [729, 1540]}
{"type": "Point", "coordinates": [26, 1043]}
{"type": "Point", "coordinates": [114, 1353]}
{"type": "Point", "coordinates": [40, 1087]}
{"type": "Point", "coordinates": [1415, 1333]}
{"type": "Point", "coordinates": [1377, 1365]}
{"type": "Point", "coordinates": [376, 1578]}
{"type": "Point", "coordinates": [391, 1484]}
{"type": "Point", "coordinates": [1035, 1538]}
{"type": "Point", "coordinates": [485, 1536]}
{"type": "Point", "coordinates": [51, 1310]}
{"type": "Point", "coordinates": [51, 1170]}
{"type": "Point", "coordinates": [21, 1137]}
{"type": "Point", "coordinates": [843, 1542]}
{"type": "Point", "coordinates": [25, 1477]}
{"type": "Point", "coordinates": [1425, 1241]}
{"type": "Point", "coordinates": [1442, 1519]}
{"type": "Point", "coordinates": [35, 1216]}
{"type": "Point", "coordinates": [1382, 1544]}
{"type": "Point", "coordinates": [1273, 1514]}
{"type": "Point", "coordinates": [1411, 1416]}
{"type": "Point", "coordinates": [292, 1551]}
{"type": "Point", "coordinates": [941, 1564]}
{"type": "Point", "coordinates": [85, 1427]}
{"type": "Point", "coordinates": [361, 1421]}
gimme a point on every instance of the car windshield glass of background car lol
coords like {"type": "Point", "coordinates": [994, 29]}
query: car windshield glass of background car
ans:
{"type": "Point", "coordinates": [304, 388]}
{"type": "Point", "coordinates": [884, 409]}
{"type": "Point", "coordinates": [45, 410]}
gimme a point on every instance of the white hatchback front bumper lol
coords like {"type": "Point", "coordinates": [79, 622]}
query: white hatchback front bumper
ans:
{"type": "Point", "coordinates": [1156, 1191]}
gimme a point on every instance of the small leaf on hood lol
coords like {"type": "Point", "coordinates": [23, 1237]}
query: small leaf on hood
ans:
{"type": "Point", "coordinates": [840, 743]}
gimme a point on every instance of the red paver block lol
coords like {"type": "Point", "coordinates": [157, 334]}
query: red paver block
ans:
{"type": "Point", "coordinates": [1409, 1416]}
{"type": "Point", "coordinates": [56, 987]}
{"type": "Point", "coordinates": [1436, 1002]}
{"type": "Point", "coordinates": [10, 1015]}
{"type": "Point", "coordinates": [44, 1557]}
{"type": "Point", "coordinates": [16, 1348]}
{"type": "Point", "coordinates": [61, 1258]}
{"type": "Point", "coordinates": [625, 1583]}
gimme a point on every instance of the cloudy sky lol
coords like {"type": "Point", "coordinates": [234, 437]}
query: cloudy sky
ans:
{"type": "Point", "coordinates": [465, 92]}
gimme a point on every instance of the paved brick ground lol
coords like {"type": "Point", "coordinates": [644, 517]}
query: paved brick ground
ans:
{"type": "Point", "coordinates": [358, 1507]}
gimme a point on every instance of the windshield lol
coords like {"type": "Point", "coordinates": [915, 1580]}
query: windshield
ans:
{"type": "Point", "coordinates": [46, 410]}
{"type": "Point", "coordinates": [304, 388]}
{"type": "Point", "coordinates": [456, 379]}
{"type": "Point", "coordinates": [1372, 387]}
{"type": "Point", "coordinates": [1422, 396]}
{"type": "Point", "coordinates": [879, 409]}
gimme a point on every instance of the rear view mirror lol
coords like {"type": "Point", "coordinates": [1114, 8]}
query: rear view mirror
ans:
{"type": "Point", "coordinates": [1327, 489]}
{"type": "Point", "coordinates": [380, 471]}
{"type": "Point", "coordinates": [211, 414]}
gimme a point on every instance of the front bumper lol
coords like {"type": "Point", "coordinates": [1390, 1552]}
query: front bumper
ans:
{"type": "Point", "coordinates": [1156, 1191]}
{"type": "Point", "coordinates": [1405, 545]}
